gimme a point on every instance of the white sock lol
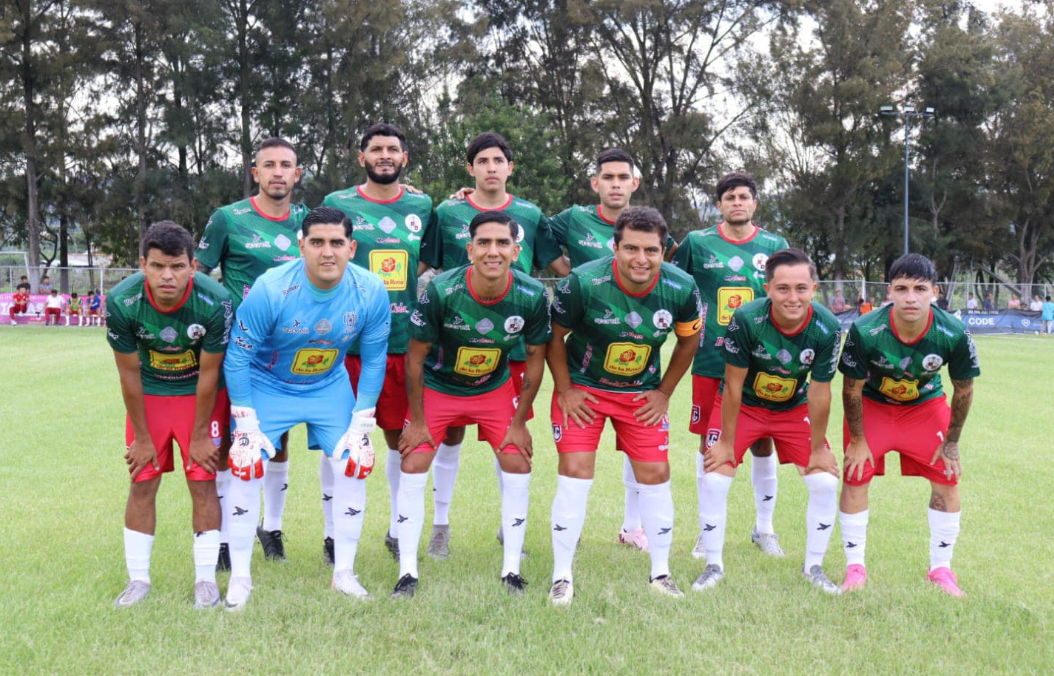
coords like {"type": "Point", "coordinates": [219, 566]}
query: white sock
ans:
{"type": "Point", "coordinates": [631, 519]}
{"type": "Point", "coordinates": [763, 476]}
{"type": "Point", "coordinates": [348, 507]}
{"type": "Point", "coordinates": [497, 473]}
{"type": "Point", "coordinates": [568, 517]}
{"type": "Point", "coordinates": [223, 483]}
{"type": "Point", "coordinates": [137, 547]}
{"type": "Point", "coordinates": [514, 501]}
{"type": "Point", "coordinates": [713, 508]}
{"type": "Point", "coordinates": [392, 469]}
{"type": "Point", "coordinates": [275, 482]}
{"type": "Point", "coordinates": [854, 536]}
{"type": "Point", "coordinates": [444, 473]}
{"type": "Point", "coordinates": [819, 516]}
{"type": "Point", "coordinates": [944, 530]}
{"type": "Point", "coordinates": [700, 487]}
{"type": "Point", "coordinates": [243, 500]}
{"type": "Point", "coordinates": [206, 551]}
{"type": "Point", "coordinates": [411, 520]}
{"type": "Point", "coordinates": [325, 480]}
{"type": "Point", "coordinates": [656, 509]}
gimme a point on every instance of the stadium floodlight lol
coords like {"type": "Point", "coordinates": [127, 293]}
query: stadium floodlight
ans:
{"type": "Point", "coordinates": [908, 113]}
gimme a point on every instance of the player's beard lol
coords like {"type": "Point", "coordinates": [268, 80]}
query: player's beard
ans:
{"type": "Point", "coordinates": [383, 179]}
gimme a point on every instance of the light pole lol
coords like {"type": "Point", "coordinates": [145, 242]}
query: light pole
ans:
{"type": "Point", "coordinates": [908, 113]}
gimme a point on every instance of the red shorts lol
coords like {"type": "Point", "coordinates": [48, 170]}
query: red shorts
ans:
{"type": "Point", "coordinates": [172, 417]}
{"type": "Point", "coordinates": [790, 430]}
{"type": "Point", "coordinates": [49, 311]}
{"type": "Point", "coordinates": [393, 406]}
{"type": "Point", "coordinates": [492, 411]}
{"type": "Point", "coordinates": [913, 431]}
{"type": "Point", "coordinates": [704, 392]}
{"type": "Point", "coordinates": [643, 443]}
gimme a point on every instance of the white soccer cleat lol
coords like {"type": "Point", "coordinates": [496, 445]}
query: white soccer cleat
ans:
{"type": "Point", "coordinates": [238, 592]}
{"type": "Point", "coordinates": [768, 543]}
{"type": "Point", "coordinates": [135, 592]}
{"type": "Point", "coordinates": [347, 582]}
{"type": "Point", "coordinates": [206, 595]}
{"type": "Point", "coordinates": [710, 577]}
{"type": "Point", "coordinates": [665, 585]}
{"type": "Point", "coordinates": [562, 592]}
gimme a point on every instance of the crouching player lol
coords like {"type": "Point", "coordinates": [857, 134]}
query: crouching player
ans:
{"type": "Point", "coordinates": [168, 328]}
{"type": "Point", "coordinates": [893, 400]}
{"type": "Point", "coordinates": [619, 311]}
{"type": "Point", "coordinates": [772, 345]}
{"type": "Point", "coordinates": [287, 367]}
{"type": "Point", "coordinates": [457, 369]}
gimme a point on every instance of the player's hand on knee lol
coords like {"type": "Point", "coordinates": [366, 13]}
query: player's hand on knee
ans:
{"type": "Point", "coordinates": [248, 445]}
{"type": "Point", "coordinates": [413, 435]}
{"type": "Point", "coordinates": [141, 453]}
{"type": "Point", "coordinates": [823, 459]}
{"type": "Point", "coordinates": [948, 451]}
{"type": "Point", "coordinates": [204, 453]}
{"type": "Point", "coordinates": [720, 453]}
{"type": "Point", "coordinates": [656, 404]}
{"type": "Point", "coordinates": [520, 437]}
{"type": "Point", "coordinates": [358, 450]}
{"type": "Point", "coordinates": [857, 456]}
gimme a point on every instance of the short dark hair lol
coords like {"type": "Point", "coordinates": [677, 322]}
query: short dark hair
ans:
{"type": "Point", "coordinates": [45, 277]}
{"type": "Point", "coordinates": [499, 217]}
{"type": "Point", "coordinates": [788, 257]}
{"type": "Point", "coordinates": [326, 216]}
{"type": "Point", "coordinates": [614, 155]}
{"type": "Point", "coordinates": [73, 295]}
{"type": "Point", "coordinates": [169, 238]}
{"type": "Point", "coordinates": [24, 277]}
{"type": "Point", "coordinates": [382, 129]}
{"type": "Point", "coordinates": [275, 142]}
{"type": "Point", "coordinates": [913, 266]}
{"type": "Point", "coordinates": [642, 219]}
{"type": "Point", "coordinates": [736, 179]}
{"type": "Point", "coordinates": [54, 291]}
{"type": "Point", "coordinates": [488, 139]}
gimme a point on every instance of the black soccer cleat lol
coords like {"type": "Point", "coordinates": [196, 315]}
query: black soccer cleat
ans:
{"type": "Point", "coordinates": [405, 587]}
{"type": "Point", "coordinates": [514, 584]}
{"type": "Point", "coordinates": [223, 562]}
{"type": "Point", "coordinates": [271, 541]}
{"type": "Point", "coordinates": [327, 551]}
{"type": "Point", "coordinates": [392, 544]}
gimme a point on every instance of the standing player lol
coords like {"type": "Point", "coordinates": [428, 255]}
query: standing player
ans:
{"type": "Point", "coordinates": [246, 239]}
{"type": "Point", "coordinates": [619, 311]}
{"type": "Point", "coordinates": [490, 164]}
{"type": "Point", "coordinates": [390, 225]}
{"type": "Point", "coordinates": [771, 347]}
{"type": "Point", "coordinates": [286, 367]}
{"type": "Point", "coordinates": [168, 328]}
{"type": "Point", "coordinates": [893, 400]}
{"type": "Point", "coordinates": [468, 321]}
{"type": "Point", "coordinates": [728, 264]}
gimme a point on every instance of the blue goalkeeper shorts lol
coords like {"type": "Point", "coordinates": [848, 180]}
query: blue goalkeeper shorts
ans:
{"type": "Point", "coordinates": [326, 411]}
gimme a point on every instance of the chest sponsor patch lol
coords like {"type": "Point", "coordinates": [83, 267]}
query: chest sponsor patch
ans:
{"type": "Point", "coordinates": [730, 299]}
{"type": "Point", "coordinates": [476, 361]}
{"type": "Point", "coordinates": [310, 361]}
{"type": "Point", "coordinates": [390, 265]}
{"type": "Point", "coordinates": [899, 390]}
{"type": "Point", "coordinates": [160, 361]}
{"type": "Point", "coordinates": [774, 388]}
{"type": "Point", "coordinates": [626, 359]}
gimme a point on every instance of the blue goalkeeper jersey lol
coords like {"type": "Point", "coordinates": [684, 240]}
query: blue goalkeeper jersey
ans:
{"type": "Point", "coordinates": [290, 336]}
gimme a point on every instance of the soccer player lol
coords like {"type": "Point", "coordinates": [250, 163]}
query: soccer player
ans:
{"type": "Point", "coordinates": [893, 400]}
{"type": "Point", "coordinates": [75, 308]}
{"type": "Point", "coordinates": [772, 346]}
{"type": "Point", "coordinates": [53, 308]}
{"type": "Point", "coordinates": [168, 328]}
{"type": "Point", "coordinates": [94, 308]}
{"type": "Point", "coordinates": [467, 323]}
{"type": "Point", "coordinates": [728, 264]}
{"type": "Point", "coordinates": [246, 239]}
{"type": "Point", "coordinates": [619, 311]}
{"type": "Point", "coordinates": [19, 304]}
{"type": "Point", "coordinates": [286, 366]}
{"type": "Point", "coordinates": [390, 225]}
{"type": "Point", "coordinates": [490, 164]}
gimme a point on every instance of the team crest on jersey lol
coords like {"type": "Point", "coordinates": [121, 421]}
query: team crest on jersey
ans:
{"type": "Point", "coordinates": [807, 356]}
{"type": "Point", "coordinates": [351, 319]}
{"type": "Point", "coordinates": [558, 432]}
{"type": "Point", "coordinates": [759, 262]}
{"type": "Point", "coordinates": [519, 232]}
{"type": "Point", "coordinates": [484, 326]}
{"type": "Point", "coordinates": [634, 320]}
{"type": "Point", "coordinates": [413, 223]}
{"type": "Point", "coordinates": [323, 327]}
{"type": "Point", "coordinates": [282, 242]}
{"type": "Point", "coordinates": [735, 262]}
{"type": "Point", "coordinates": [514, 324]}
{"type": "Point", "coordinates": [662, 319]}
{"type": "Point", "coordinates": [195, 331]}
{"type": "Point", "coordinates": [932, 362]}
{"type": "Point", "coordinates": [168, 334]}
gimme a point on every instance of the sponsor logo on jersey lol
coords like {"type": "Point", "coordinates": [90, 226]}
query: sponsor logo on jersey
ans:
{"type": "Point", "coordinates": [759, 261]}
{"type": "Point", "coordinates": [391, 265]}
{"type": "Point", "coordinates": [417, 319]}
{"type": "Point", "coordinates": [310, 361]}
{"type": "Point", "coordinates": [322, 327]}
{"type": "Point", "coordinates": [877, 330]}
{"type": "Point", "coordinates": [761, 353]}
{"type": "Point", "coordinates": [905, 363]}
{"type": "Point", "coordinates": [671, 283]}
{"type": "Point", "coordinates": [169, 334]}
{"type": "Point", "coordinates": [458, 324]}
{"type": "Point", "coordinates": [243, 344]}
{"type": "Point", "coordinates": [386, 225]}
{"type": "Point", "coordinates": [714, 263]}
{"type": "Point", "coordinates": [932, 362]}
{"type": "Point", "coordinates": [514, 324]}
{"type": "Point", "coordinates": [899, 390]}
{"type": "Point", "coordinates": [807, 356]}
{"type": "Point", "coordinates": [634, 320]}
{"type": "Point", "coordinates": [142, 334]}
{"type": "Point", "coordinates": [784, 357]}
{"type": "Point", "coordinates": [297, 327]}
{"type": "Point", "coordinates": [133, 300]}
{"type": "Point", "coordinates": [203, 244]}
{"type": "Point", "coordinates": [320, 341]}
{"type": "Point", "coordinates": [258, 243]}
{"type": "Point", "coordinates": [399, 309]}
{"type": "Point", "coordinates": [286, 292]}
{"type": "Point", "coordinates": [242, 326]}
{"type": "Point", "coordinates": [282, 242]}
{"type": "Point", "coordinates": [484, 326]}
{"type": "Point", "coordinates": [730, 299]}
{"type": "Point", "coordinates": [476, 361]}
{"type": "Point", "coordinates": [774, 388]}
{"type": "Point", "coordinates": [601, 280]}
{"type": "Point", "coordinates": [351, 319]}
{"type": "Point", "coordinates": [626, 359]}
{"type": "Point", "coordinates": [463, 233]}
{"type": "Point", "coordinates": [362, 224]}
{"type": "Point", "coordinates": [662, 319]}
{"type": "Point", "coordinates": [590, 242]}
{"type": "Point", "coordinates": [173, 362]}
{"type": "Point", "coordinates": [413, 223]}
{"type": "Point", "coordinates": [195, 331]}
{"type": "Point", "coordinates": [608, 318]}
{"type": "Point", "coordinates": [736, 263]}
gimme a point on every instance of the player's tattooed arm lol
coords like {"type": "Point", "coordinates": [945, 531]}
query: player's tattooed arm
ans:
{"type": "Point", "coordinates": [948, 451]}
{"type": "Point", "coordinates": [857, 453]}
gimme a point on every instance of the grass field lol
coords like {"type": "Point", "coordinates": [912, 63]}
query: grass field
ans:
{"type": "Point", "coordinates": [63, 487]}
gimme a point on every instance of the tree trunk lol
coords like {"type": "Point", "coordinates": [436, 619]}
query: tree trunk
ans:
{"type": "Point", "coordinates": [140, 139]}
{"type": "Point", "coordinates": [29, 144]}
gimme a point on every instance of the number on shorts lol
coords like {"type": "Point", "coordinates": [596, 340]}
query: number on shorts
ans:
{"type": "Point", "coordinates": [215, 429]}
{"type": "Point", "coordinates": [940, 435]}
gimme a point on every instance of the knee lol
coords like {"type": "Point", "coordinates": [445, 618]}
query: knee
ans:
{"type": "Point", "coordinates": [416, 463]}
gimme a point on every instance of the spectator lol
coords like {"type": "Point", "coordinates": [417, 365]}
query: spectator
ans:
{"type": "Point", "coordinates": [75, 308]}
{"type": "Point", "coordinates": [838, 302]}
{"type": "Point", "coordinates": [45, 285]}
{"type": "Point", "coordinates": [862, 306]}
{"type": "Point", "coordinates": [1048, 316]}
{"type": "Point", "coordinates": [971, 302]}
{"type": "Point", "coordinates": [942, 301]}
{"type": "Point", "coordinates": [1014, 303]}
{"type": "Point", "coordinates": [23, 285]}
{"type": "Point", "coordinates": [53, 307]}
{"type": "Point", "coordinates": [20, 303]}
{"type": "Point", "coordinates": [1037, 304]}
{"type": "Point", "coordinates": [987, 305]}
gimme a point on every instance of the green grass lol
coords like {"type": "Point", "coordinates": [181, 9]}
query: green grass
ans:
{"type": "Point", "coordinates": [63, 487]}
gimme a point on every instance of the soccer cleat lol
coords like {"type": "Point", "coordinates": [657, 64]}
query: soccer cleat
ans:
{"type": "Point", "coordinates": [710, 577]}
{"type": "Point", "coordinates": [223, 562]}
{"type": "Point", "coordinates": [855, 577]}
{"type": "Point", "coordinates": [699, 550]}
{"type": "Point", "coordinates": [769, 543]}
{"type": "Point", "coordinates": [405, 587]}
{"type": "Point", "coordinates": [946, 580]}
{"type": "Point", "coordinates": [135, 592]}
{"type": "Point", "coordinates": [271, 541]}
{"type": "Point", "coordinates": [562, 592]}
{"type": "Point", "coordinates": [634, 538]}
{"type": "Point", "coordinates": [514, 584]}
{"type": "Point", "coordinates": [206, 594]}
{"type": "Point", "coordinates": [392, 544]}
{"type": "Point", "coordinates": [439, 545]}
{"type": "Point", "coordinates": [238, 592]}
{"type": "Point", "coordinates": [818, 579]}
{"type": "Point", "coordinates": [347, 583]}
{"type": "Point", "coordinates": [664, 584]}
{"type": "Point", "coordinates": [327, 551]}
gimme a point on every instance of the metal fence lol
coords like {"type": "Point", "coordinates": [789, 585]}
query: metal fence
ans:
{"type": "Point", "coordinates": [67, 280]}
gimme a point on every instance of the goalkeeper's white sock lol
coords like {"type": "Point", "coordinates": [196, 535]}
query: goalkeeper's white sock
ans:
{"type": "Point", "coordinates": [206, 551]}
{"type": "Point", "coordinates": [137, 548]}
{"type": "Point", "coordinates": [411, 520]}
{"type": "Point", "coordinates": [275, 482]}
{"type": "Point", "coordinates": [348, 507]}
{"type": "Point", "coordinates": [325, 478]}
{"type": "Point", "coordinates": [392, 469]}
{"type": "Point", "coordinates": [243, 498]}
{"type": "Point", "coordinates": [444, 474]}
{"type": "Point", "coordinates": [223, 484]}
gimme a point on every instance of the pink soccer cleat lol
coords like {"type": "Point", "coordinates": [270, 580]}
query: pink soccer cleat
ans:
{"type": "Point", "coordinates": [946, 580]}
{"type": "Point", "coordinates": [855, 577]}
{"type": "Point", "coordinates": [633, 538]}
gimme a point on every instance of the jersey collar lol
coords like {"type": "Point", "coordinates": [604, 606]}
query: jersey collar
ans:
{"type": "Point", "coordinates": [252, 201]}
{"type": "Point", "coordinates": [468, 283]}
{"type": "Point", "coordinates": [600, 215]}
{"type": "Point", "coordinates": [893, 327]}
{"type": "Point", "coordinates": [182, 301]}
{"type": "Point", "coordinates": [363, 195]}
{"type": "Point", "coordinates": [808, 318]}
{"type": "Point", "coordinates": [614, 273]}
{"type": "Point", "coordinates": [737, 241]}
{"type": "Point", "coordinates": [468, 198]}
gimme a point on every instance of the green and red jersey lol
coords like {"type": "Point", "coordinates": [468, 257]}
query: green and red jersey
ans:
{"type": "Point", "coordinates": [586, 234]}
{"type": "Point", "coordinates": [778, 364]}
{"type": "Point", "coordinates": [170, 342]}
{"type": "Point", "coordinates": [729, 275]}
{"type": "Point", "coordinates": [472, 339]}
{"type": "Point", "coordinates": [616, 335]}
{"type": "Point", "coordinates": [389, 236]}
{"type": "Point", "coordinates": [245, 243]}
{"type": "Point", "coordinates": [902, 373]}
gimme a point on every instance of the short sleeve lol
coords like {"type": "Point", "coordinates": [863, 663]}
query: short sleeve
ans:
{"type": "Point", "coordinates": [964, 363]}
{"type": "Point", "coordinates": [119, 332]}
{"type": "Point", "coordinates": [825, 363]}
{"type": "Point", "coordinates": [560, 225]}
{"type": "Point", "coordinates": [213, 244]}
{"type": "Point", "coordinates": [431, 251]}
{"type": "Point", "coordinates": [539, 330]}
{"type": "Point", "coordinates": [427, 318]}
{"type": "Point", "coordinates": [568, 308]}
{"type": "Point", "coordinates": [682, 258]}
{"type": "Point", "coordinates": [737, 343]}
{"type": "Point", "coordinates": [218, 331]}
{"type": "Point", "coordinates": [546, 248]}
{"type": "Point", "coordinates": [853, 364]}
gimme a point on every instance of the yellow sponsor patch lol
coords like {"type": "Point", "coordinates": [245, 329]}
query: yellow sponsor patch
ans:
{"type": "Point", "coordinates": [390, 265]}
{"type": "Point", "coordinates": [626, 359]}
{"type": "Point", "coordinates": [730, 299]}
{"type": "Point", "coordinates": [311, 361]}
{"type": "Point", "coordinates": [774, 388]}
{"type": "Point", "coordinates": [900, 390]}
{"type": "Point", "coordinates": [161, 361]}
{"type": "Point", "coordinates": [476, 361]}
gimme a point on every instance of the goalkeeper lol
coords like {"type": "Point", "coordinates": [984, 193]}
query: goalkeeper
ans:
{"type": "Point", "coordinates": [286, 366]}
